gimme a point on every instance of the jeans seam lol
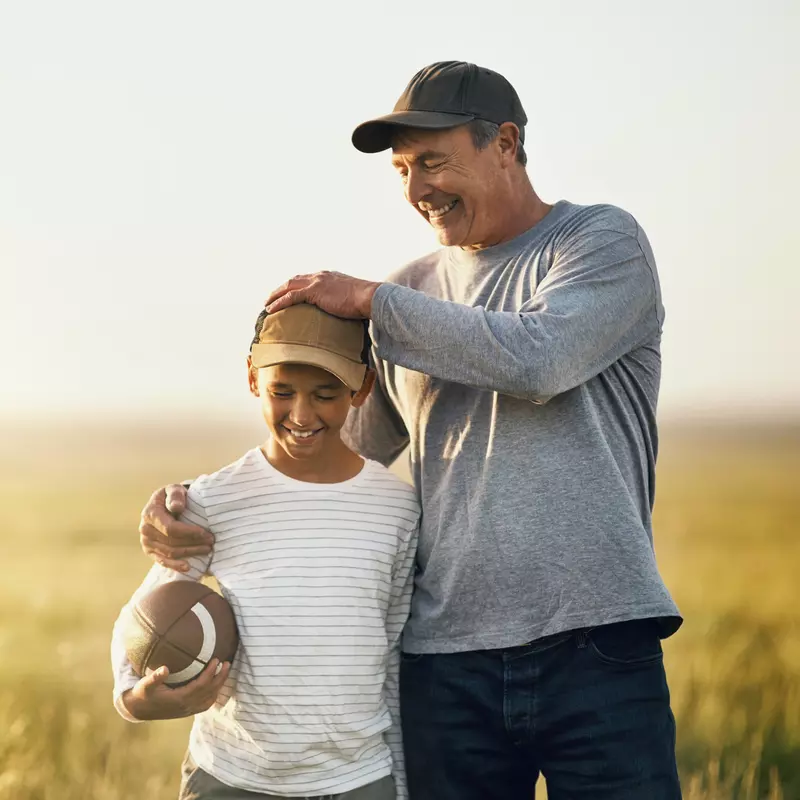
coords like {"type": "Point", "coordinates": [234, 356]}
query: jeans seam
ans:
{"type": "Point", "coordinates": [532, 707]}
{"type": "Point", "coordinates": [506, 710]}
{"type": "Point", "coordinates": [532, 649]}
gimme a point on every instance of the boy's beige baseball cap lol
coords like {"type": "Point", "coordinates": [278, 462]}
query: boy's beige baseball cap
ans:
{"type": "Point", "coordinates": [304, 334]}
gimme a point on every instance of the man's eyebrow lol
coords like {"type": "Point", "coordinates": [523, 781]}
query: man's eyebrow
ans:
{"type": "Point", "coordinates": [428, 155]}
{"type": "Point", "coordinates": [328, 386]}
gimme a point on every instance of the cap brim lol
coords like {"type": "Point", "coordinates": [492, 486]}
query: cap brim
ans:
{"type": "Point", "coordinates": [350, 373]}
{"type": "Point", "coordinates": [376, 134]}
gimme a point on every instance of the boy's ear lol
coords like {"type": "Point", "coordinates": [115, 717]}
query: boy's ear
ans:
{"type": "Point", "coordinates": [252, 377]}
{"type": "Point", "coordinates": [359, 398]}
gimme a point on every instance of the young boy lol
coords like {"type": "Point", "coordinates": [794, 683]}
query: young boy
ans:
{"type": "Point", "coordinates": [314, 550]}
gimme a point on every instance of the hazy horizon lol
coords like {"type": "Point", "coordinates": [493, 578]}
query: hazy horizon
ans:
{"type": "Point", "coordinates": [163, 167]}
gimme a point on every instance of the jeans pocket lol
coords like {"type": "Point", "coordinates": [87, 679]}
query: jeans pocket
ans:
{"type": "Point", "coordinates": [195, 783]}
{"type": "Point", "coordinates": [411, 658]}
{"type": "Point", "coordinates": [626, 644]}
{"type": "Point", "coordinates": [189, 772]}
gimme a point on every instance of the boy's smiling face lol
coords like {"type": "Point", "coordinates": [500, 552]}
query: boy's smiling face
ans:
{"type": "Point", "coordinates": [305, 407]}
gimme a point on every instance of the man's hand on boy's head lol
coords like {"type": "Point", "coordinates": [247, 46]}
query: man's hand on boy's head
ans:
{"type": "Point", "coordinates": [166, 539]}
{"type": "Point", "coordinates": [151, 698]}
{"type": "Point", "coordinates": [340, 295]}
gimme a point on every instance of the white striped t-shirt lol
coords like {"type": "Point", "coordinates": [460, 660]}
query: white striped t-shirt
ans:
{"type": "Point", "coordinates": [319, 577]}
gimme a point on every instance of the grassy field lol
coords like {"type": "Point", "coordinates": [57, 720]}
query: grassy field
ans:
{"type": "Point", "coordinates": [726, 536]}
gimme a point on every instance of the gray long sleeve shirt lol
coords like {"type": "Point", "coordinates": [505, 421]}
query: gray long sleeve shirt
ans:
{"type": "Point", "coordinates": [525, 378]}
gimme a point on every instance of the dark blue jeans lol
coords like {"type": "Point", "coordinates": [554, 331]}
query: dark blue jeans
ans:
{"type": "Point", "coordinates": [588, 709]}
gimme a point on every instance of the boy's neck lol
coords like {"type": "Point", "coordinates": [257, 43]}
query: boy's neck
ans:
{"type": "Point", "coordinates": [335, 464]}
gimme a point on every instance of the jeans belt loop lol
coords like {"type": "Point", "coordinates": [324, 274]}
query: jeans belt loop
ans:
{"type": "Point", "coordinates": [582, 638]}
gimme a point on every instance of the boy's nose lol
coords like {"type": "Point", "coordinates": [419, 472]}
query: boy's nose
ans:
{"type": "Point", "coordinates": [302, 414]}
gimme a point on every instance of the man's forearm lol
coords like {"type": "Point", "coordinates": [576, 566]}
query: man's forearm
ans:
{"type": "Point", "coordinates": [479, 348]}
{"type": "Point", "coordinates": [556, 341]}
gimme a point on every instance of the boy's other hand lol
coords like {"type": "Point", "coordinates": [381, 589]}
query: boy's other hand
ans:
{"type": "Point", "coordinates": [166, 539]}
{"type": "Point", "coordinates": [151, 698]}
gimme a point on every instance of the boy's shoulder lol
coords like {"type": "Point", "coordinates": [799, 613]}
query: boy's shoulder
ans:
{"type": "Point", "coordinates": [246, 478]}
{"type": "Point", "coordinates": [382, 480]}
{"type": "Point", "coordinates": [245, 469]}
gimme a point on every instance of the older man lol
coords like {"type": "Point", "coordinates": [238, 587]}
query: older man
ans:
{"type": "Point", "coordinates": [521, 365]}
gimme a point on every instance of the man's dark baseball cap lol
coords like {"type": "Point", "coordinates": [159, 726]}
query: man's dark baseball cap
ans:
{"type": "Point", "coordinates": [444, 95]}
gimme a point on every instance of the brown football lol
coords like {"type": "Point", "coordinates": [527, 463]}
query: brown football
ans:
{"type": "Point", "coordinates": [181, 625]}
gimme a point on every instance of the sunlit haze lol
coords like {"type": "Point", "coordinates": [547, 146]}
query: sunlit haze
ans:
{"type": "Point", "coordinates": [164, 165]}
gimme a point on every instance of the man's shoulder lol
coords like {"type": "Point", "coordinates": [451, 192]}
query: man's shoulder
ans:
{"type": "Point", "coordinates": [580, 219]}
{"type": "Point", "coordinates": [415, 272]}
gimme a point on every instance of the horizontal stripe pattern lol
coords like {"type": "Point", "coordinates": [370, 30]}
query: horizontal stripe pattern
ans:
{"type": "Point", "coordinates": [319, 577]}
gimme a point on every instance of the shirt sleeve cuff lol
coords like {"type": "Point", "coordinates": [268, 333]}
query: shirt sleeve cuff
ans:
{"type": "Point", "coordinates": [119, 704]}
{"type": "Point", "coordinates": [379, 302]}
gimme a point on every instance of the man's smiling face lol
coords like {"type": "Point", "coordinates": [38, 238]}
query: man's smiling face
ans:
{"type": "Point", "coordinates": [459, 189]}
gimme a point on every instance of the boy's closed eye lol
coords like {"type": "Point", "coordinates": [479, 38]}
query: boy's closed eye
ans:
{"type": "Point", "coordinates": [327, 392]}
{"type": "Point", "coordinates": [289, 395]}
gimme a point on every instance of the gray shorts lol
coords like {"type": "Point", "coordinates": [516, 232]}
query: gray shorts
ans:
{"type": "Point", "coordinates": [199, 785]}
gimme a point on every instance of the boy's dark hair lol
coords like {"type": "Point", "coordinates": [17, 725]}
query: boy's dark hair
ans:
{"type": "Point", "coordinates": [259, 322]}
{"type": "Point", "coordinates": [365, 359]}
{"type": "Point", "coordinates": [367, 349]}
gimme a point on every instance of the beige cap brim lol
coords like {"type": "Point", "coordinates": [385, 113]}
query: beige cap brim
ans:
{"type": "Point", "coordinates": [350, 373]}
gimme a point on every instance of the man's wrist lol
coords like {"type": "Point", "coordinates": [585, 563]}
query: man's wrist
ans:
{"type": "Point", "coordinates": [379, 296]}
{"type": "Point", "coordinates": [369, 294]}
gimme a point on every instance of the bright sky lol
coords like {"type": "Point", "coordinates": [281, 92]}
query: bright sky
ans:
{"type": "Point", "coordinates": [163, 165]}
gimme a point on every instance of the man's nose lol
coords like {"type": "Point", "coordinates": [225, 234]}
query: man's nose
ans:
{"type": "Point", "coordinates": [416, 187]}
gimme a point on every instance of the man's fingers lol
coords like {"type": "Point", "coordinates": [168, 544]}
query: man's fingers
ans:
{"type": "Point", "coordinates": [171, 563]}
{"type": "Point", "coordinates": [167, 530]}
{"type": "Point", "coordinates": [276, 293]}
{"type": "Point", "coordinates": [176, 498]}
{"type": "Point", "coordinates": [161, 548]}
{"type": "Point", "coordinates": [156, 515]}
{"type": "Point", "coordinates": [166, 525]}
{"type": "Point", "coordinates": [152, 541]}
{"type": "Point", "coordinates": [293, 283]}
{"type": "Point", "coordinates": [162, 551]}
{"type": "Point", "coordinates": [188, 552]}
{"type": "Point", "coordinates": [291, 298]}
{"type": "Point", "coordinates": [161, 556]}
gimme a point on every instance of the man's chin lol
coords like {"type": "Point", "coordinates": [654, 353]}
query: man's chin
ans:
{"type": "Point", "coordinates": [448, 238]}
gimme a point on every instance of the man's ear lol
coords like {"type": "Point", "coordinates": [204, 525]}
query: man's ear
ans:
{"type": "Point", "coordinates": [252, 377]}
{"type": "Point", "coordinates": [360, 397]}
{"type": "Point", "coordinates": [508, 142]}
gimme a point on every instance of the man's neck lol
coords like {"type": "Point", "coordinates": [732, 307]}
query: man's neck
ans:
{"type": "Point", "coordinates": [526, 209]}
{"type": "Point", "coordinates": [336, 464]}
